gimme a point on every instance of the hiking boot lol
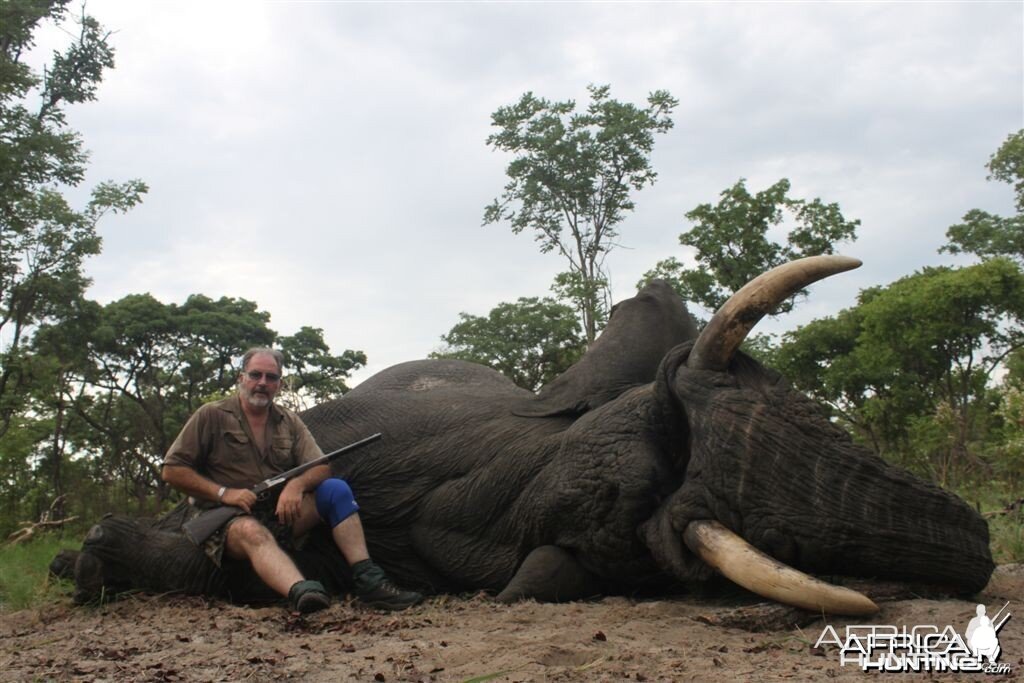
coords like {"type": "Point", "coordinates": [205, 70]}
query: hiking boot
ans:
{"type": "Point", "coordinates": [308, 596]}
{"type": "Point", "coordinates": [375, 590]}
{"type": "Point", "coordinates": [386, 595]}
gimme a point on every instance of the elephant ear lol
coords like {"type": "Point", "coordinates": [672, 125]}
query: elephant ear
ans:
{"type": "Point", "coordinates": [640, 331]}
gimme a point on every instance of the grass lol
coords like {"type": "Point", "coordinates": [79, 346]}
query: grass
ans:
{"type": "Point", "coordinates": [25, 579]}
{"type": "Point", "coordinates": [1006, 531]}
{"type": "Point", "coordinates": [1007, 537]}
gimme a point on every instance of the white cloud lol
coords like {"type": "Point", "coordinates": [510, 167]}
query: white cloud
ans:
{"type": "Point", "coordinates": [327, 160]}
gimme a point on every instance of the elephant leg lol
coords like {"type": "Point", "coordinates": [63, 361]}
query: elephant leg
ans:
{"type": "Point", "coordinates": [550, 574]}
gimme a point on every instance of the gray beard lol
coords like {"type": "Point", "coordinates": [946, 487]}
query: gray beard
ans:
{"type": "Point", "coordinates": [257, 400]}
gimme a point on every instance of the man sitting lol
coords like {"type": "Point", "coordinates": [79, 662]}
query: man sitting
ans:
{"type": "Point", "coordinates": [228, 446]}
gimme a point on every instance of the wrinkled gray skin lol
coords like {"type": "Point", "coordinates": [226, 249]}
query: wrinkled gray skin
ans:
{"type": "Point", "coordinates": [587, 487]}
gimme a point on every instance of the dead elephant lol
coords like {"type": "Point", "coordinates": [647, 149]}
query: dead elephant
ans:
{"type": "Point", "coordinates": [661, 457]}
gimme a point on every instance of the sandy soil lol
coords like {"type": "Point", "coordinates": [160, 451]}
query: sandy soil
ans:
{"type": "Point", "coordinates": [174, 638]}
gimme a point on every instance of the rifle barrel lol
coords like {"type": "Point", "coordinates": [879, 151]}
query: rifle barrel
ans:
{"type": "Point", "coordinates": [323, 460]}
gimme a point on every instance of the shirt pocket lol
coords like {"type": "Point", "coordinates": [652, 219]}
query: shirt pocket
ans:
{"type": "Point", "coordinates": [235, 447]}
{"type": "Point", "coordinates": [236, 439]}
{"type": "Point", "coordinates": [281, 452]}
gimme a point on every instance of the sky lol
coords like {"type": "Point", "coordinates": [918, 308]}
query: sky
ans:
{"type": "Point", "coordinates": [327, 160]}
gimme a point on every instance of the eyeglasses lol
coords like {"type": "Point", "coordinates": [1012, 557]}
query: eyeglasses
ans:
{"type": "Point", "coordinates": [256, 376]}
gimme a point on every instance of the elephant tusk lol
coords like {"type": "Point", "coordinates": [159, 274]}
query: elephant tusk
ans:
{"type": "Point", "coordinates": [747, 566]}
{"type": "Point", "coordinates": [732, 322]}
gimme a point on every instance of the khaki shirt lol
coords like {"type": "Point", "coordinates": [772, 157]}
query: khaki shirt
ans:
{"type": "Point", "coordinates": [218, 443]}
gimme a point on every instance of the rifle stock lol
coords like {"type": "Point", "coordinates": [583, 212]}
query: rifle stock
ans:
{"type": "Point", "coordinates": [200, 528]}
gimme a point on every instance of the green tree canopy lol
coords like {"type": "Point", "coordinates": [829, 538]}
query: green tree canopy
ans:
{"type": "Point", "coordinates": [573, 173]}
{"type": "Point", "coordinates": [43, 240]}
{"type": "Point", "coordinates": [733, 246]}
{"type": "Point", "coordinates": [140, 368]}
{"type": "Point", "coordinates": [988, 235]}
{"type": "Point", "coordinates": [530, 341]}
{"type": "Point", "coordinates": [125, 377]}
{"type": "Point", "coordinates": [1007, 165]}
{"type": "Point", "coordinates": [312, 374]}
{"type": "Point", "coordinates": [909, 366]}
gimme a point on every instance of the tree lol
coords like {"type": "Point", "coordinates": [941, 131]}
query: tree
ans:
{"type": "Point", "coordinates": [988, 235]}
{"type": "Point", "coordinates": [1007, 164]}
{"type": "Point", "coordinates": [1009, 451]}
{"type": "Point", "coordinates": [910, 366]}
{"type": "Point", "coordinates": [313, 374]}
{"type": "Point", "coordinates": [575, 171]}
{"type": "Point", "coordinates": [43, 241]}
{"type": "Point", "coordinates": [732, 241]}
{"type": "Point", "coordinates": [133, 371]}
{"type": "Point", "coordinates": [141, 368]}
{"type": "Point", "coordinates": [530, 341]}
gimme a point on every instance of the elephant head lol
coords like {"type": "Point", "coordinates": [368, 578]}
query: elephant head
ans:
{"type": "Point", "coordinates": [769, 483]}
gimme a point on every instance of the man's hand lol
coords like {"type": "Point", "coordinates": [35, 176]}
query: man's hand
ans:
{"type": "Point", "coordinates": [242, 498]}
{"type": "Point", "coordinates": [289, 503]}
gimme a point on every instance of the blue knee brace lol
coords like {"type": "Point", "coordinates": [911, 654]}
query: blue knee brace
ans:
{"type": "Point", "coordinates": [334, 501]}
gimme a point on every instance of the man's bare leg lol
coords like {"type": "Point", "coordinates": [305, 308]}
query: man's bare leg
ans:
{"type": "Point", "coordinates": [351, 540]}
{"type": "Point", "coordinates": [371, 584]}
{"type": "Point", "coordinates": [248, 539]}
{"type": "Point", "coordinates": [348, 535]}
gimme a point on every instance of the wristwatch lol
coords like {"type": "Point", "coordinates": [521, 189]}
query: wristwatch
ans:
{"type": "Point", "coordinates": [220, 494]}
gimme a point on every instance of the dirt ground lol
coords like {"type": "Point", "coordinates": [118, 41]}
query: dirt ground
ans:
{"type": "Point", "coordinates": [175, 638]}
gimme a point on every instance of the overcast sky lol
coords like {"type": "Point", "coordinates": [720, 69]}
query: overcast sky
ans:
{"type": "Point", "coordinates": [327, 160]}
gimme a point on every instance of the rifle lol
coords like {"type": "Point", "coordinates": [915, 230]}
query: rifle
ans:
{"type": "Point", "coordinates": [203, 526]}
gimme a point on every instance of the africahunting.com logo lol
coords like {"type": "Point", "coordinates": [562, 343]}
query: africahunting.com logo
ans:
{"type": "Point", "coordinates": [923, 648]}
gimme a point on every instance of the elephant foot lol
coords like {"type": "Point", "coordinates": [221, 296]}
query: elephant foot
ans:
{"type": "Point", "coordinates": [550, 574]}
